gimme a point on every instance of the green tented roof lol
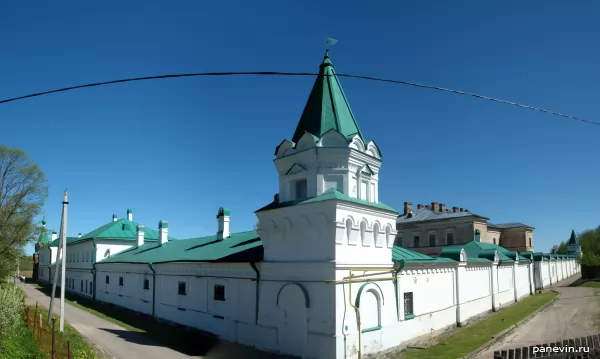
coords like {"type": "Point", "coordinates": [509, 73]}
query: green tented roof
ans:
{"type": "Point", "coordinates": [122, 229]}
{"type": "Point", "coordinates": [330, 194]}
{"type": "Point", "coordinates": [43, 239]}
{"type": "Point", "coordinates": [239, 247]}
{"type": "Point", "coordinates": [327, 107]}
{"type": "Point", "coordinates": [573, 238]}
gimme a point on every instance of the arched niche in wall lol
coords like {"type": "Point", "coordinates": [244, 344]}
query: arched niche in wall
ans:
{"type": "Point", "coordinates": [292, 321]}
{"type": "Point", "coordinates": [369, 300]}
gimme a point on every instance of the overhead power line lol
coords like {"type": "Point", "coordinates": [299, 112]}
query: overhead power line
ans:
{"type": "Point", "coordinates": [273, 73]}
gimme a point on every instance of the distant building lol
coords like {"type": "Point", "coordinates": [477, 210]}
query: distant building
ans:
{"type": "Point", "coordinates": [430, 228]}
{"type": "Point", "coordinates": [573, 246]}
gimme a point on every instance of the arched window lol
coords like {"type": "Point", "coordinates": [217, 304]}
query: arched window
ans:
{"type": "Point", "coordinates": [363, 233]}
{"type": "Point", "coordinates": [388, 234]}
{"type": "Point", "coordinates": [348, 229]}
{"type": "Point", "coordinates": [376, 233]}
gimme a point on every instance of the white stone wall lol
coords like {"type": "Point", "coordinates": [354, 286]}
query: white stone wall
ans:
{"type": "Point", "coordinates": [307, 309]}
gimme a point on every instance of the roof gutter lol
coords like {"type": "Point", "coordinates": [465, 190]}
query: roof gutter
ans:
{"type": "Point", "coordinates": [153, 290]}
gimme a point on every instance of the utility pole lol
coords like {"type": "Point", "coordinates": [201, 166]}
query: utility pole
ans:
{"type": "Point", "coordinates": [63, 232]}
{"type": "Point", "coordinates": [61, 254]}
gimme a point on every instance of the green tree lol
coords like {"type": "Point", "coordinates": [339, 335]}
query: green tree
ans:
{"type": "Point", "coordinates": [563, 248]}
{"type": "Point", "coordinates": [590, 241]}
{"type": "Point", "coordinates": [23, 190]}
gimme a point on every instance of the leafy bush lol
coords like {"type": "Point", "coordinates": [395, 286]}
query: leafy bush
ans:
{"type": "Point", "coordinates": [11, 310]}
{"type": "Point", "coordinates": [589, 259]}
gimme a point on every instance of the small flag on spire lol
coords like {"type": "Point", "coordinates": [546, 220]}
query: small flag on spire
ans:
{"type": "Point", "coordinates": [330, 42]}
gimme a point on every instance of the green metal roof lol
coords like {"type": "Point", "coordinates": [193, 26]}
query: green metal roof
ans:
{"type": "Point", "coordinates": [402, 254]}
{"type": "Point", "coordinates": [330, 194]}
{"type": "Point", "coordinates": [69, 241]}
{"type": "Point", "coordinates": [239, 247]}
{"type": "Point", "coordinates": [122, 229]}
{"type": "Point", "coordinates": [43, 239]}
{"type": "Point", "coordinates": [327, 107]}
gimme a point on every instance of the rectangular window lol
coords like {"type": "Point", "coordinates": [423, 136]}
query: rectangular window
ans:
{"type": "Point", "coordinates": [416, 241]}
{"type": "Point", "coordinates": [81, 290]}
{"type": "Point", "coordinates": [181, 288]}
{"type": "Point", "coordinates": [77, 256]}
{"type": "Point", "coordinates": [432, 240]}
{"type": "Point", "coordinates": [91, 287]}
{"type": "Point", "coordinates": [301, 189]}
{"type": "Point", "coordinates": [495, 241]}
{"type": "Point", "coordinates": [120, 281]}
{"type": "Point", "coordinates": [220, 292]}
{"type": "Point", "coordinates": [408, 305]}
{"type": "Point", "coordinates": [86, 285]}
{"type": "Point", "coordinates": [107, 280]}
{"type": "Point", "coordinates": [146, 284]}
{"type": "Point", "coordinates": [363, 190]}
{"type": "Point", "coordinates": [450, 238]}
{"type": "Point", "coordinates": [398, 241]}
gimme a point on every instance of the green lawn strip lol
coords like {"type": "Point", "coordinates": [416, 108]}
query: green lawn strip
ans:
{"type": "Point", "coordinates": [469, 338]}
{"type": "Point", "coordinates": [21, 345]}
{"type": "Point", "coordinates": [590, 284]}
{"type": "Point", "coordinates": [80, 347]}
{"type": "Point", "coordinates": [177, 337]}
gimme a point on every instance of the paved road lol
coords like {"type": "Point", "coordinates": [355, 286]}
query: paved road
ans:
{"type": "Point", "coordinates": [574, 314]}
{"type": "Point", "coordinates": [119, 343]}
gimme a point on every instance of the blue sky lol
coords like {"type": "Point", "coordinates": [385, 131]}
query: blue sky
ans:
{"type": "Point", "coordinates": [179, 149]}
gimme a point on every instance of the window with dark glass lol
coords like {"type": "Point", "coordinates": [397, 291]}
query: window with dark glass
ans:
{"type": "Point", "coordinates": [107, 280]}
{"type": "Point", "coordinates": [432, 240]}
{"type": "Point", "coordinates": [301, 189]}
{"type": "Point", "coordinates": [146, 284]}
{"type": "Point", "coordinates": [450, 238]}
{"type": "Point", "coordinates": [220, 292]}
{"type": "Point", "coordinates": [408, 304]}
{"type": "Point", "coordinates": [120, 281]}
{"type": "Point", "coordinates": [81, 290]}
{"type": "Point", "coordinates": [181, 288]}
{"type": "Point", "coordinates": [416, 241]}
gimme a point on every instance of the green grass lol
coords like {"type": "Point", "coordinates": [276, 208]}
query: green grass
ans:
{"type": "Point", "coordinates": [590, 284]}
{"type": "Point", "coordinates": [185, 340]}
{"type": "Point", "coordinates": [467, 339]}
{"type": "Point", "coordinates": [21, 345]}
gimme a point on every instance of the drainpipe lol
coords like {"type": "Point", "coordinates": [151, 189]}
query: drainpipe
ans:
{"type": "Point", "coordinates": [395, 281]}
{"type": "Point", "coordinates": [256, 291]}
{"type": "Point", "coordinates": [355, 307]}
{"type": "Point", "coordinates": [94, 270]}
{"type": "Point", "coordinates": [153, 289]}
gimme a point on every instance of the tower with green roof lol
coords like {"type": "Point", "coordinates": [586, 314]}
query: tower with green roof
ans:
{"type": "Point", "coordinates": [573, 246]}
{"type": "Point", "coordinates": [328, 178]}
{"type": "Point", "coordinates": [43, 240]}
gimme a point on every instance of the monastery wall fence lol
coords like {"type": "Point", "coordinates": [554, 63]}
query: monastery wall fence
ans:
{"type": "Point", "coordinates": [311, 311]}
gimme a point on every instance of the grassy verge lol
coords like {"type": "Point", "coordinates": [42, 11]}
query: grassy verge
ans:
{"type": "Point", "coordinates": [467, 339]}
{"type": "Point", "coordinates": [185, 340]}
{"type": "Point", "coordinates": [20, 345]}
{"type": "Point", "coordinates": [80, 347]}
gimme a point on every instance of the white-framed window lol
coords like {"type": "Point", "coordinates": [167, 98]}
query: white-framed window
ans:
{"type": "Point", "coordinates": [219, 292]}
{"type": "Point", "coordinates": [450, 240]}
{"type": "Point", "coordinates": [333, 181]}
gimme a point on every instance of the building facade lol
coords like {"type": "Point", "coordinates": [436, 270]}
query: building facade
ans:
{"type": "Point", "coordinates": [429, 229]}
{"type": "Point", "coordinates": [322, 276]}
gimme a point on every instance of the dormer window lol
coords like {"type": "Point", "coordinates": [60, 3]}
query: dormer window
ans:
{"type": "Point", "coordinates": [301, 189]}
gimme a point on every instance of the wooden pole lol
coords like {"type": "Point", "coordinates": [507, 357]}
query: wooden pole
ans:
{"type": "Point", "coordinates": [53, 331]}
{"type": "Point", "coordinates": [41, 335]}
{"type": "Point", "coordinates": [35, 320]}
{"type": "Point", "coordinates": [69, 355]}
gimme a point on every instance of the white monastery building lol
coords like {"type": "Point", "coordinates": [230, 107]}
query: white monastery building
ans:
{"type": "Point", "coordinates": [324, 276]}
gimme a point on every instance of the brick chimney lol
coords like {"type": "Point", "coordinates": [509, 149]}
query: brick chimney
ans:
{"type": "Point", "coordinates": [442, 207]}
{"type": "Point", "coordinates": [140, 235]}
{"type": "Point", "coordinates": [419, 206]}
{"type": "Point", "coordinates": [454, 209]}
{"type": "Point", "coordinates": [407, 208]}
{"type": "Point", "coordinates": [461, 210]}
{"type": "Point", "coordinates": [163, 232]}
{"type": "Point", "coordinates": [434, 206]}
{"type": "Point", "coordinates": [129, 214]}
{"type": "Point", "coordinates": [223, 220]}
